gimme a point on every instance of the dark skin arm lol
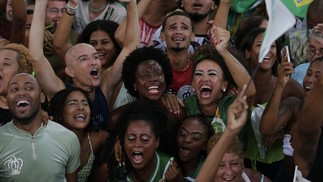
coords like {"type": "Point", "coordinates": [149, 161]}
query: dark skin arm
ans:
{"type": "Point", "coordinates": [276, 114]}
{"type": "Point", "coordinates": [308, 129]}
{"type": "Point", "coordinates": [19, 15]}
{"type": "Point", "coordinates": [237, 116]}
{"type": "Point", "coordinates": [71, 177]}
{"type": "Point", "coordinates": [114, 117]}
{"type": "Point", "coordinates": [3, 5]}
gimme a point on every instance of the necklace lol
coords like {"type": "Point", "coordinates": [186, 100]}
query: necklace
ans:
{"type": "Point", "coordinates": [97, 10]}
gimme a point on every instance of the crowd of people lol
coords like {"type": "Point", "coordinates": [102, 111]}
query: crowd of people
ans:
{"type": "Point", "coordinates": [158, 90]}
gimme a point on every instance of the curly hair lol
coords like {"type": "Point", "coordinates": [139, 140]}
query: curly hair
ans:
{"type": "Point", "coordinates": [234, 147]}
{"type": "Point", "coordinates": [138, 56]}
{"type": "Point", "coordinates": [209, 52]}
{"type": "Point", "coordinates": [150, 112]}
{"type": "Point", "coordinates": [22, 57]}
{"type": "Point", "coordinates": [56, 105]}
{"type": "Point", "coordinates": [3, 42]}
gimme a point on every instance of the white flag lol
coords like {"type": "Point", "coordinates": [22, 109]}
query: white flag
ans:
{"type": "Point", "coordinates": [280, 20]}
{"type": "Point", "coordinates": [298, 176]}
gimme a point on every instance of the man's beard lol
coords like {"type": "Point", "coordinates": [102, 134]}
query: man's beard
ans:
{"type": "Point", "coordinates": [178, 49]}
{"type": "Point", "coordinates": [197, 17]}
{"type": "Point", "coordinates": [25, 120]}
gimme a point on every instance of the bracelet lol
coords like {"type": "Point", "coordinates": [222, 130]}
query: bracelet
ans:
{"type": "Point", "coordinates": [70, 7]}
{"type": "Point", "coordinates": [70, 13]}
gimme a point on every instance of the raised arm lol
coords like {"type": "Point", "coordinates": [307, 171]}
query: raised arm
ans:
{"type": "Point", "coordinates": [49, 82]}
{"type": "Point", "coordinates": [309, 127]}
{"type": "Point", "coordinates": [237, 116]}
{"type": "Point", "coordinates": [3, 5]}
{"type": "Point", "coordinates": [222, 13]}
{"type": "Point", "coordinates": [112, 76]}
{"type": "Point", "coordinates": [60, 41]}
{"type": "Point", "coordinates": [276, 113]}
{"type": "Point", "coordinates": [120, 33]}
{"type": "Point", "coordinates": [220, 38]}
{"type": "Point", "coordinates": [19, 16]}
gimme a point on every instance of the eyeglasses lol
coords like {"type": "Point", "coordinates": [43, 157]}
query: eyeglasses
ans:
{"type": "Point", "coordinates": [55, 11]}
{"type": "Point", "coordinates": [312, 50]}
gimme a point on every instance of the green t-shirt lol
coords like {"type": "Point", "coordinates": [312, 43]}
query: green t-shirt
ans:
{"type": "Point", "coordinates": [160, 168]}
{"type": "Point", "coordinates": [193, 108]}
{"type": "Point", "coordinates": [47, 156]}
{"type": "Point", "coordinates": [274, 154]}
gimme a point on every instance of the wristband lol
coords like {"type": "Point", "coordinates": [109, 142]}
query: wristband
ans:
{"type": "Point", "coordinates": [72, 13]}
{"type": "Point", "coordinates": [70, 7]}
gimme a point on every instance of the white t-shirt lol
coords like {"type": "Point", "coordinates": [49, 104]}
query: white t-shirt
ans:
{"type": "Point", "coordinates": [113, 12]}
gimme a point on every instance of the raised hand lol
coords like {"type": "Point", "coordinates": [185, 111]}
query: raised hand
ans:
{"type": "Point", "coordinates": [74, 3]}
{"type": "Point", "coordinates": [220, 38]}
{"type": "Point", "coordinates": [174, 172]}
{"type": "Point", "coordinates": [237, 112]}
{"type": "Point", "coordinates": [285, 69]}
{"type": "Point", "coordinates": [319, 28]}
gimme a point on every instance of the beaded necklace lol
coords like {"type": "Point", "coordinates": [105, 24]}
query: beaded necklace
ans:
{"type": "Point", "coordinates": [97, 10]}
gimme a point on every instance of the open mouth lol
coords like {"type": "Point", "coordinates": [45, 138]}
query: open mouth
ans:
{"type": "Point", "coordinates": [178, 39]}
{"type": "Point", "coordinates": [197, 5]}
{"type": "Point", "coordinates": [102, 54]}
{"type": "Point", "coordinates": [94, 72]}
{"type": "Point", "coordinates": [229, 178]}
{"type": "Point", "coordinates": [185, 151]}
{"type": "Point", "coordinates": [266, 59]}
{"type": "Point", "coordinates": [22, 103]}
{"type": "Point", "coordinates": [206, 91]}
{"type": "Point", "coordinates": [79, 117]}
{"type": "Point", "coordinates": [307, 89]}
{"type": "Point", "coordinates": [137, 157]}
{"type": "Point", "coordinates": [153, 89]}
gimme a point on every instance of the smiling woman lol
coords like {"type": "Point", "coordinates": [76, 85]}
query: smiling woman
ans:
{"type": "Point", "coordinates": [264, 150]}
{"type": "Point", "coordinates": [215, 72]}
{"type": "Point", "coordinates": [231, 167]}
{"type": "Point", "coordinates": [71, 108]}
{"type": "Point", "coordinates": [146, 73]}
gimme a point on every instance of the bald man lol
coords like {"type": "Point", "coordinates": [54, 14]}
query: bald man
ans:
{"type": "Point", "coordinates": [30, 150]}
{"type": "Point", "coordinates": [82, 63]}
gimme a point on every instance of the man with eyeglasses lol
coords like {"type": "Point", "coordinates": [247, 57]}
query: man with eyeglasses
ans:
{"type": "Point", "coordinates": [315, 50]}
{"type": "Point", "coordinates": [55, 10]}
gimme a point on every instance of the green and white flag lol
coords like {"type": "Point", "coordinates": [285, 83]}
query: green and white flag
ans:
{"type": "Point", "coordinates": [280, 20]}
{"type": "Point", "coordinates": [241, 6]}
{"type": "Point", "coordinates": [297, 7]}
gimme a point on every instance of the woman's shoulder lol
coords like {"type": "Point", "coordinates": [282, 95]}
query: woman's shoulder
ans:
{"type": "Point", "coordinates": [255, 175]}
{"type": "Point", "coordinates": [293, 88]}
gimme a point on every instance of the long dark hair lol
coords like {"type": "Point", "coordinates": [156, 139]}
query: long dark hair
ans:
{"type": "Point", "coordinates": [56, 105]}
